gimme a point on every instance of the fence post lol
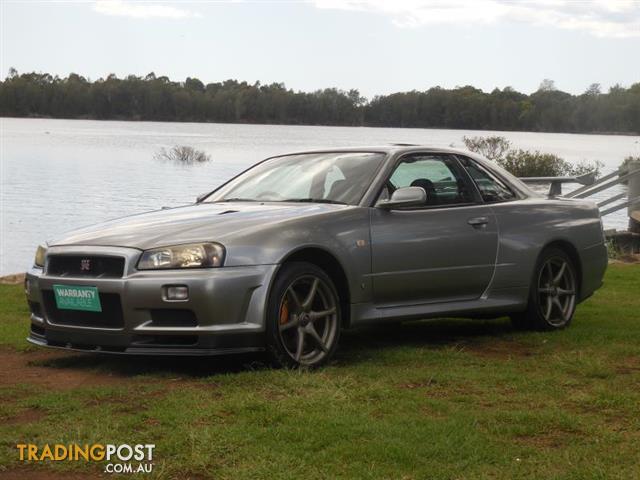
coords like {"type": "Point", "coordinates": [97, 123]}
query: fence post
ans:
{"type": "Point", "coordinates": [634, 192]}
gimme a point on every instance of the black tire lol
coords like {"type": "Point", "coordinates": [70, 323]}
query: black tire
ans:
{"type": "Point", "coordinates": [553, 294]}
{"type": "Point", "coordinates": [296, 308]}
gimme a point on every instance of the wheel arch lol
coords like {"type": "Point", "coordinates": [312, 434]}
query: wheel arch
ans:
{"type": "Point", "coordinates": [571, 250]}
{"type": "Point", "coordinates": [328, 262]}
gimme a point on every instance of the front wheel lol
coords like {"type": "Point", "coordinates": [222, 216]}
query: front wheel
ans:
{"type": "Point", "coordinates": [553, 295]}
{"type": "Point", "coordinates": [303, 317]}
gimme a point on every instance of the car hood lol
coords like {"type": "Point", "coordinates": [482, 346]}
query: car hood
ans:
{"type": "Point", "coordinates": [217, 222]}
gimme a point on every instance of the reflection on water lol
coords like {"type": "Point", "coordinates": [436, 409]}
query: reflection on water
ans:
{"type": "Point", "coordinates": [60, 174]}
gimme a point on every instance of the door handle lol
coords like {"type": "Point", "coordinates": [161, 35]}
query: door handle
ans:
{"type": "Point", "coordinates": [478, 221]}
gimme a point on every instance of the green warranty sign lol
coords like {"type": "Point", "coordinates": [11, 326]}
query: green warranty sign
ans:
{"type": "Point", "coordinates": [70, 297]}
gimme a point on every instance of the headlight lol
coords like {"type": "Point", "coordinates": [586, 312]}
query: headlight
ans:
{"type": "Point", "coordinates": [41, 252]}
{"type": "Point", "coordinates": [193, 255]}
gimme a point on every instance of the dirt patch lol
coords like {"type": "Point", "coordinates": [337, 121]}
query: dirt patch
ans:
{"type": "Point", "coordinates": [214, 418]}
{"type": "Point", "coordinates": [29, 415]}
{"type": "Point", "coordinates": [431, 388]}
{"type": "Point", "coordinates": [628, 366]}
{"type": "Point", "coordinates": [626, 370]}
{"type": "Point", "coordinates": [431, 382]}
{"type": "Point", "coordinates": [152, 422]}
{"type": "Point", "coordinates": [633, 258]}
{"type": "Point", "coordinates": [36, 368]}
{"type": "Point", "coordinates": [433, 413]}
{"type": "Point", "coordinates": [610, 419]}
{"type": "Point", "coordinates": [15, 279]}
{"type": "Point", "coordinates": [500, 349]}
{"type": "Point", "coordinates": [124, 405]}
{"type": "Point", "coordinates": [118, 405]}
{"type": "Point", "coordinates": [553, 439]}
{"type": "Point", "coordinates": [60, 370]}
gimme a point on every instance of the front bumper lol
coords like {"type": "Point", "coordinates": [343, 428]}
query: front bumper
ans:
{"type": "Point", "coordinates": [224, 312]}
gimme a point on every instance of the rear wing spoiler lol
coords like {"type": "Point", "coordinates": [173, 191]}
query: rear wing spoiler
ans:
{"type": "Point", "coordinates": [555, 187]}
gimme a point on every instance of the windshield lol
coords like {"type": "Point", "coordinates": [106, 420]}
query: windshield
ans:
{"type": "Point", "coordinates": [338, 177]}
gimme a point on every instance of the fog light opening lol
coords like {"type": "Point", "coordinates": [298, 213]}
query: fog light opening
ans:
{"type": "Point", "coordinates": [176, 293]}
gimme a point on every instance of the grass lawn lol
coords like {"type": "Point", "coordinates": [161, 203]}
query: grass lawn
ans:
{"type": "Point", "coordinates": [439, 399]}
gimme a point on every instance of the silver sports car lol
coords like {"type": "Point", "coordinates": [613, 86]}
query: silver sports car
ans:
{"type": "Point", "coordinates": [291, 251]}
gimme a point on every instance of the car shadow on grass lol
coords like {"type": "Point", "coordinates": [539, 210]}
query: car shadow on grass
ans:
{"type": "Point", "coordinates": [437, 332]}
{"type": "Point", "coordinates": [125, 366]}
{"type": "Point", "coordinates": [421, 334]}
{"type": "Point", "coordinates": [463, 334]}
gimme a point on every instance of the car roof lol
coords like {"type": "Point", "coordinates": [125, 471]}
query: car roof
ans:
{"type": "Point", "coordinates": [393, 148]}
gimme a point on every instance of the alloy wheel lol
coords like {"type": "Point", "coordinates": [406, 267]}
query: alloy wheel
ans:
{"type": "Point", "coordinates": [557, 291]}
{"type": "Point", "coordinates": [308, 320]}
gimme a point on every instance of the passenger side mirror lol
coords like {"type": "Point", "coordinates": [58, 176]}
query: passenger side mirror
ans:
{"type": "Point", "coordinates": [405, 197]}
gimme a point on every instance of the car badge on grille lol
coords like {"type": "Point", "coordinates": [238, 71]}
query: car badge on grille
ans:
{"type": "Point", "coordinates": [85, 265]}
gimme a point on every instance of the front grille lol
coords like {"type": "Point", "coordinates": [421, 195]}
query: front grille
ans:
{"type": "Point", "coordinates": [85, 266]}
{"type": "Point", "coordinates": [110, 316]}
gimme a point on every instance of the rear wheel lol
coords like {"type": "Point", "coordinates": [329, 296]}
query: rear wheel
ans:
{"type": "Point", "coordinates": [303, 319]}
{"type": "Point", "coordinates": [553, 295]}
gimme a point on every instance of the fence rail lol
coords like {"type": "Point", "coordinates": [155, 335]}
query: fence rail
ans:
{"type": "Point", "coordinates": [629, 174]}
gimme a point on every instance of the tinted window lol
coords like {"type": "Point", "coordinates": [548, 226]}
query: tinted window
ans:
{"type": "Point", "coordinates": [438, 175]}
{"type": "Point", "coordinates": [491, 188]}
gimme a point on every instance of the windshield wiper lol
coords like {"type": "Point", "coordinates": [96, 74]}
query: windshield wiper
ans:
{"type": "Point", "coordinates": [313, 200]}
{"type": "Point", "coordinates": [236, 199]}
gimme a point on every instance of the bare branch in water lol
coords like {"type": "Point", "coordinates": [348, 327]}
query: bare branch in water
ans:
{"type": "Point", "coordinates": [182, 154]}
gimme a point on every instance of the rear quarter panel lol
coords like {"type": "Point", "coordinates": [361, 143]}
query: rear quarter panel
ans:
{"type": "Point", "coordinates": [526, 227]}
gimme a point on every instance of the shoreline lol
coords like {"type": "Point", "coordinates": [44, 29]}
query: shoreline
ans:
{"type": "Point", "coordinates": [139, 120]}
{"type": "Point", "coordinates": [12, 279]}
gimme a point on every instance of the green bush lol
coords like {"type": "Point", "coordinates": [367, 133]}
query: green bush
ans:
{"type": "Point", "coordinates": [624, 166]}
{"type": "Point", "coordinates": [492, 148]}
{"type": "Point", "coordinates": [524, 163]}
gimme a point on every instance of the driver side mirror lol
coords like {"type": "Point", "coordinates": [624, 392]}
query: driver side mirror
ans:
{"type": "Point", "coordinates": [405, 197]}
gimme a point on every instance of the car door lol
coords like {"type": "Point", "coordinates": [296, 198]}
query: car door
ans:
{"type": "Point", "coordinates": [442, 251]}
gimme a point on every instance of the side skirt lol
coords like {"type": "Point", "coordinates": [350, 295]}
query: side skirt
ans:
{"type": "Point", "coordinates": [504, 301]}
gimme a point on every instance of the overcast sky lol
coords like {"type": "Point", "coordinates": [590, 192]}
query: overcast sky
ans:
{"type": "Point", "coordinates": [376, 46]}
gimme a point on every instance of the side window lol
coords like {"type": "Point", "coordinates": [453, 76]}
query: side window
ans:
{"type": "Point", "coordinates": [491, 188]}
{"type": "Point", "coordinates": [438, 175]}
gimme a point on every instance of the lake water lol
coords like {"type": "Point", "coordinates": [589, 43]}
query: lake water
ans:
{"type": "Point", "coordinates": [61, 174]}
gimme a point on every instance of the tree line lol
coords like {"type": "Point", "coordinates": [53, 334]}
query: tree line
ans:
{"type": "Point", "coordinates": [157, 98]}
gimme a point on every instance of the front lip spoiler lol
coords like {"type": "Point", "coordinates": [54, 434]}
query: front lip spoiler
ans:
{"type": "Point", "coordinates": [145, 351]}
